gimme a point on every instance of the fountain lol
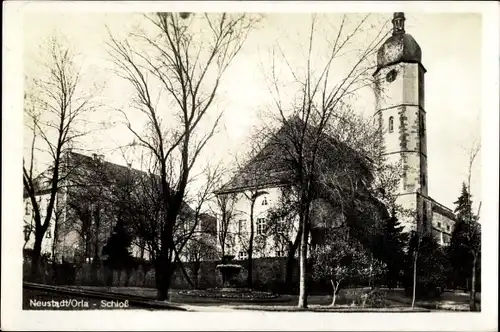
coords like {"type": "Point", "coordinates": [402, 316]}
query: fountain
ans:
{"type": "Point", "coordinates": [229, 273]}
{"type": "Point", "coordinates": [230, 289]}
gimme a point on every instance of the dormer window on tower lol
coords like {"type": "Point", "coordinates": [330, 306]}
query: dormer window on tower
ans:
{"type": "Point", "coordinates": [398, 23]}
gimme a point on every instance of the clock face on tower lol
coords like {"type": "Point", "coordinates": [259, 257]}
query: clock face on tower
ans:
{"type": "Point", "coordinates": [391, 76]}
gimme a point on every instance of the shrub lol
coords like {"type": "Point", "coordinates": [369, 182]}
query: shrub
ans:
{"type": "Point", "coordinates": [353, 296]}
{"type": "Point", "coordinates": [376, 299]}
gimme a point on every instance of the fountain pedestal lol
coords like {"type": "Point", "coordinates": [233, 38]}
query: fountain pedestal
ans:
{"type": "Point", "coordinates": [230, 289]}
{"type": "Point", "coordinates": [229, 273]}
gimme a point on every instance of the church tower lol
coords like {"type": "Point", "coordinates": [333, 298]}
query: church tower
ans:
{"type": "Point", "coordinates": [400, 110]}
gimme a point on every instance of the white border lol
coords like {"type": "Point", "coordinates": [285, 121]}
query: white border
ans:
{"type": "Point", "coordinates": [14, 318]}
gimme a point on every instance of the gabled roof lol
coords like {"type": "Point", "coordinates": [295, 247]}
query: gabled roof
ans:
{"type": "Point", "coordinates": [273, 165]}
{"type": "Point", "coordinates": [90, 171]}
{"type": "Point", "coordinates": [443, 210]}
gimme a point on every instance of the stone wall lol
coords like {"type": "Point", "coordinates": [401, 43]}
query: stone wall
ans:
{"type": "Point", "coordinates": [268, 275]}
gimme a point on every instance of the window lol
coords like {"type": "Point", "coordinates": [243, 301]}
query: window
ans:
{"type": "Point", "coordinates": [261, 225]}
{"type": "Point", "coordinates": [280, 253]}
{"type": "Point", "coordinates": [27, 209]}
{"type": "Point", "coordinates": [241, 225]}
{"type": "Point", "coordinates": [242, 255]}
{"type": "Point", "coordinates": [228, 248]}
{"type": "Point", "coordinates": [391, 76]}
{"type": "Point", "coordinates": [391, 124]}
{"type": "Point", "coordinates": [48, 235]}
{"type": "Point", "coordinates": [264, 200]}
{"type": "Point", "coordinates": [439, 224]}
{"type": "Point", "coordinates": [448, 228]}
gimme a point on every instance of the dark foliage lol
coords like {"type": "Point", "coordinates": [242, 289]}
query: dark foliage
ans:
{"type": "Point", "coordinates": [465, 242]}
{"type": "Point", "coordinates": [116, 249]}
{"type": "Point", "coordinates": [389, 249]}
{"type": "Point", "coordinates": [432, 266]}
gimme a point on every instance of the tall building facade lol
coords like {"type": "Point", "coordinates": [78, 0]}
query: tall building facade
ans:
{"type": "Point", "coordinates": [400, 110]}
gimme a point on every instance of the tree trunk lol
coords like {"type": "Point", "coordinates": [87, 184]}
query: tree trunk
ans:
{"type": "Point", "coordinates": [127, 277]}
{"type": "Point", "coordinates": [250, 247]}
{"type": "Point", "coordinates": [97, 230]}
{"type": "Point", "coordinates": [334, 296]}
{"type": "Point", "coordinates": [162, 276]}
{"type": "Point", "coordinates": [184, 272]}
{"type": "Point", "coordinates": [303, 266]}
{"type": "Point", "coordinates": [415, 256]}
{"type": "Point", "coordinates": [196, 272]}
{"type": "Point", "coordinates": [110, 277]}
{"type": "Point", "coordinates": [472, 300]}
{"type": "Point", "coordinates": [164, 265]}
{"type": "Point", "coordinates": [35, 256]}
{"type": "Point", "coordinates": [289, 271]}
{"type": "Point", "coordinates": [54, 241]}
{"type": "Point", "coordinates": [142, 250]}
{"type": "Point", "coordinates": [291, 259]}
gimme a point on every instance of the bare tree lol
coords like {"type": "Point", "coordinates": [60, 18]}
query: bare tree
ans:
{"type": "Point", "coordinates": [472, 153]}
{"type": "Point", "coordinates": [318, 110]}
{"type": "Point", "coordinates": [188, 65]}
{"type": "Point", "coordinates": [197, 250]}
{"type": "Point", "coordinates": [224, 211]}
{"type": "Point", "coordinates": [473, 233]}
{"type": "Point", "coordinates": [203, 195]}
{"type": "Point", "coordinates": [284, 231]}
{"type": "Point", "coordinates": [254, 188]}
{"type": "Point", "coordinates": [55, 111]}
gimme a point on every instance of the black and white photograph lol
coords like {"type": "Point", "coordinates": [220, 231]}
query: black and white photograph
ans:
{"type": "Point", "coordinates": [321, 166]}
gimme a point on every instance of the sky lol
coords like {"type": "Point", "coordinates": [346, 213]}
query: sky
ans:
{"type": "Point", "coordinates": [452, 82]}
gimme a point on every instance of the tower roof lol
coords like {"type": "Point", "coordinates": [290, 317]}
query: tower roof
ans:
{"type": "Point", "coordinates": [400, 47]}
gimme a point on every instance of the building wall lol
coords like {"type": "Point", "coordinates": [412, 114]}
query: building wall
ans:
{"type": "Point", "coordinates": [401, 114]}
{"type": "Point", "coordinates": [273, 243]}
{"type": "Point", "coordinates": [442, 227]}
{"type": "Point", "coordinates": [29, 222]}
{"type": "Point", "coordinates": [409, 202]}
{"type": "Point", "coordinates": [265, 245]}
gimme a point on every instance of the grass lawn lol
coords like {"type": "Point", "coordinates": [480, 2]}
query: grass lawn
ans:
{"type": "Point", "coordinates": [397, 301]}
{"type": "Point", "coordinates": [325, 308]}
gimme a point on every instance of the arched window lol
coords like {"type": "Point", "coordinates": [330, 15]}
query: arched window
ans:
{"type": "Point", "coordinates": [391, 124]}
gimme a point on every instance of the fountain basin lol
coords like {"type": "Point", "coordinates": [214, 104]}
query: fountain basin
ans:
{"type": "Point", "coordinates": [238, 294]}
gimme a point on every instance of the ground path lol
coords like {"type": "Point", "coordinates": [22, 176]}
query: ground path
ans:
{"type": "Point", "coordinates": [145, 298]}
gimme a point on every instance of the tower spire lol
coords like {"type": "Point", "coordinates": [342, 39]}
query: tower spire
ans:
{"type": "Point", "coordinates": [398, 23]}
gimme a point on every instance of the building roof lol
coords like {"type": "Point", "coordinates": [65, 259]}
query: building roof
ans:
{"type": "Point", "coordinates": [400, 47]}
{"type": "Point", "coordinates": [84, 170]}
{"type": "Point", "coordinates": [443, 210]}
{"type": "Point", "coordinates": [93, 172]}
{"type": "Point", "coordinates": [273, 165]}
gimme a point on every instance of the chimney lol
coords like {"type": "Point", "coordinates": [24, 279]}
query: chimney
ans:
{"type": "Point", "coordinates": [129, 165]}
